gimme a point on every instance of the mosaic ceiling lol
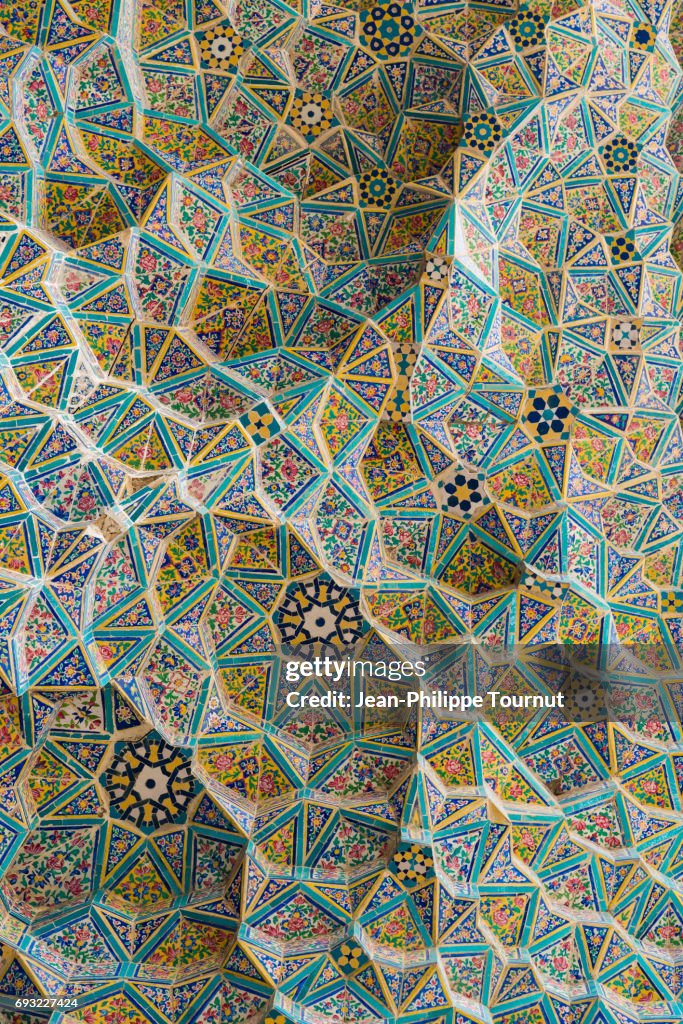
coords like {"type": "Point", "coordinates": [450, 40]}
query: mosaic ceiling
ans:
{"type": "Point", "coordinates": [341, 326]}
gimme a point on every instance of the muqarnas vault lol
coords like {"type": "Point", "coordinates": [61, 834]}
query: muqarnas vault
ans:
{"type": "Point", "coordinates": [348, 326]}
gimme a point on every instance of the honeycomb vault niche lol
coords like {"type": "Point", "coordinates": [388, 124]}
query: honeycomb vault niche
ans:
{"type": "Point", "coordinates": [341, 328]}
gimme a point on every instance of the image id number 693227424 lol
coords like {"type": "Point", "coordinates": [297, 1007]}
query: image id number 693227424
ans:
{"type": "Point", "coordinates": [46, 1002]}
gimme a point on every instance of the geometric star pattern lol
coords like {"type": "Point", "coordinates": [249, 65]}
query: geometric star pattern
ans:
{"type": "Point", "coordinates": [148, 783]}
{"type": "Point", "coordinates": [330, 324]}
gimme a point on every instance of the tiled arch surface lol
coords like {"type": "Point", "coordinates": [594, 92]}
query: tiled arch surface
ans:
{"type": "Point", "coordinates": [348, 325]}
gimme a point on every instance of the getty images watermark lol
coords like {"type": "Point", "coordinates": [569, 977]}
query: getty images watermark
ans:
{"type": "Point", "coordinates": [355, 671]}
